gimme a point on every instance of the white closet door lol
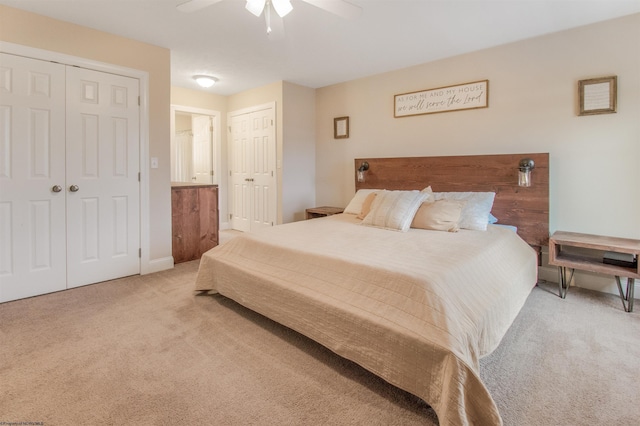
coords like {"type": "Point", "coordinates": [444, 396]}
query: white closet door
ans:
{"type": "Point", "coordinates": [32, 146]}
{"type": "Point", "coordinates": [263, 183]}
{"type": "Point", "coordinates": [253, 167]}
{"type": "Point", "coordinates": [240, 173]}
{"type": "Point", "coordinates": [103, 191]}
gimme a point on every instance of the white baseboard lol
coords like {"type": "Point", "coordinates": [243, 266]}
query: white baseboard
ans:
{"type": "Point", "coordinates": [157, 265]}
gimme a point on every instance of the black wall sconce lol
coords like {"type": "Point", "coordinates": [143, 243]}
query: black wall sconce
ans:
{"type": "Point", "coordinates": [364, 166]}
{"type": "Point", "coordinates": [524, 171]}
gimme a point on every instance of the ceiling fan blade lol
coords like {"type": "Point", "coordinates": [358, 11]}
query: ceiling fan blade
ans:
{"type": "Point", "coordinates": [194, 5]}
{"type": "Point", "coordinates": [255, 6]}
{"type": "Point", "coordinates": [338, 7]}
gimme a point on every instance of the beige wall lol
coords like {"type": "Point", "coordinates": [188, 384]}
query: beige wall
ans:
{"type": "Point", "coordinates": [24, 28]}
{"type": "Point", "coordinates": [299, 168]}
{"type": "Point", "coordinates": [532, 108]}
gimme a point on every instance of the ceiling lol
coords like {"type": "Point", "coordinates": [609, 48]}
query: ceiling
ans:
{"type": "Point", "coordinates": [319, 49]}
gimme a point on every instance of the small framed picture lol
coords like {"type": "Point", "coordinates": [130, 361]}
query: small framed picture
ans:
{"type": "Point", "coordinates": [598, 95]}
{"type": "Point", "coordinates": [341, 128]}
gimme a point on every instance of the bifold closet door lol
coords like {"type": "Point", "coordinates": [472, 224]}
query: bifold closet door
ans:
{"type": "Point", "coordinates": [69, 182]}
{"type": "Point", "coordinates": [32, 177]}
{"type": "Point", "coordinates": [103, 188]}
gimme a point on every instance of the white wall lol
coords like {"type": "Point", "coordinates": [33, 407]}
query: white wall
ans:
{"type": "Point", "coordinates": [533, 105]}
{"type": "Point", "coordinates": [299, 167]}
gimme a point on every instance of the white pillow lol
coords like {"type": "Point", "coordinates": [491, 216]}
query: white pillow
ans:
{"type": "Point", "coordinates": [476, 210]}
{"type": "Point", "coordinates": [394, 209]}
{"type": "Point", "coordinates": [355, 205]}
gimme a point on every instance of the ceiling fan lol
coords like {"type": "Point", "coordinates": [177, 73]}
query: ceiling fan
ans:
{"type": "Point", "coordinates": [340, 8]}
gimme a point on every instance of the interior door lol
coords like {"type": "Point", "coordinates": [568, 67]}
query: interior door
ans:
{"type": "Point", "coordinates": [253, 166]}
{"type": "Point", "coordinates": [103, 189]}
{"type": "Point", "coordinates": [32, 179]}
{"type": "Point", "coordinates": [202, 128]}
{"type": "Point", "coordinates": [240, 173]}
{"type": "Point", "coordinates": [263, 161]}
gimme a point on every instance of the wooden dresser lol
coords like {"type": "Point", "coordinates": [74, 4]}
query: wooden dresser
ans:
{"type": "Point", "coordinates": [194, 220]}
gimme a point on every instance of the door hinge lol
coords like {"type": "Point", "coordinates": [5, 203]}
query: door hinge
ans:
{"type": "Point", "coordinates": [271, 173]}
{"type": "Point", "coordinates": [271, 223]}
{"type": "Point", "coordinates": [212, 174]}
{"type": "Point", "coordinates": [139, 177]}
{"type": "Point", "coordinates": [140, 253]}
{"type": "Point", "coordinates": [138, 100]}
{"type": "Point", "coordinates": [229, 172]}
{"type": "Point", "coordinates": [230, 216]}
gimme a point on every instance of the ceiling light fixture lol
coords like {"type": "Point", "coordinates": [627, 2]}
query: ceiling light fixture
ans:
{"type": "Point", "coordinates": [282, 7]}
{"type": "Point", "coordinates": [205, 80]}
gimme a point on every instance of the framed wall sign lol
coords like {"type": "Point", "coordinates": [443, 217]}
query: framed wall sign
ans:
{"type": "Point", "coordinates": [598, 95]}
{"type": "Point", "coordinates": [341, 128]}
{"type": "Point", "coordinates": [443, 99]}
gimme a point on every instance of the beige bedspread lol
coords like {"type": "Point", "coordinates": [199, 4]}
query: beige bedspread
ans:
{"type": "Point", "coordinates": [418, 309]}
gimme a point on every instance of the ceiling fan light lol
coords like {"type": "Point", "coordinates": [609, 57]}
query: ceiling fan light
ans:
{"type": "Point", "coordinates": [282, 7]}
{"type": "Point", "coordinates": [255, 6]}
{"type": "Point", "coordinates": [205, 80]}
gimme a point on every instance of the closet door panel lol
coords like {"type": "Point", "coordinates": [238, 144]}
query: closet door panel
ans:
{"type": "Point", "coordinates": [32, 170]}
{"type": "Point", "coordinates": [103, 200]}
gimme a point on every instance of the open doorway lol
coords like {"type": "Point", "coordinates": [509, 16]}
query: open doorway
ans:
{"type": "Point", "coordinates": [195, 145]}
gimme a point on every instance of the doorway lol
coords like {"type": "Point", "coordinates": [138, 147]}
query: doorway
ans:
{"type": "Point", "coordinates": [195, 145]}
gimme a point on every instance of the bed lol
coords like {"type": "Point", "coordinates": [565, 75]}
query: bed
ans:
{"type": "Point", "coordinates": [418, 308]}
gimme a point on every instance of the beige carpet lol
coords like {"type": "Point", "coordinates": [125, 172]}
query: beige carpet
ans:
{"type": "Point", "coordinates": [146, 350]}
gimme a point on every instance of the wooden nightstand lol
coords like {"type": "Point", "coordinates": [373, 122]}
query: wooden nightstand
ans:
{"type": "Point", "coordinates": [322, 211]}
{"type": "Point", "coordinates": [589, 257]}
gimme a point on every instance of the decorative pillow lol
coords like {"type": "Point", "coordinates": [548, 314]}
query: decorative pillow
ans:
{"type": "Point", "coordinates": [440, 215]}
{"type": "Point", "coordinates": [475, 212]}
{"type": "Point", "coordinates": [394, 209]}
{"type": "Point", "coordinates": [355, 205]}
{"type": "Point", "coordinates": [366, 205]}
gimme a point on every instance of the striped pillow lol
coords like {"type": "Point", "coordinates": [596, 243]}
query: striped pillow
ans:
{"type": "Point", "coordinates": [394, 209]}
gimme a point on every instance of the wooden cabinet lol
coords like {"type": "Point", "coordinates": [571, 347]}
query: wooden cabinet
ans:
{"type": "Point", "coordinates": [194, 220]}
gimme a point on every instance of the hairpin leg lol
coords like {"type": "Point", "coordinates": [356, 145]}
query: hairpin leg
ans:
{"type": "Point", "coordinates": [628, 298]}
{"type": "Point", "coordinates": [563, 282]}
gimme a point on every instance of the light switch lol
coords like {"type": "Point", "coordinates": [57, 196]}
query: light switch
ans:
{"type": "Point", "coordinates": [154, 162]}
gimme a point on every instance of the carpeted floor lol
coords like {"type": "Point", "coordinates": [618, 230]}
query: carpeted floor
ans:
{"type": "Point", "coordinates": [146, 350]}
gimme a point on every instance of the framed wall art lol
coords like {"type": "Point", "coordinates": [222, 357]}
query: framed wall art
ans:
{"type": "Point", "coordinates": [341, 128]}
{"type": "Point", "coordinates": [598, 95]}
{"type": "Point", "coordinates": [443, 99]}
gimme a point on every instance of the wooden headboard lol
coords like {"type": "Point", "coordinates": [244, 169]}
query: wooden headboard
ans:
{"type": "Point", "coordinates": [527, 208]}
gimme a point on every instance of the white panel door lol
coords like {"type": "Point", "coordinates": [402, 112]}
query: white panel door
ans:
{"type": "Point", "coordinates": [253, 166]}
{"type": "Point", "coordinates": [240, 173]}
{"type": "Point", "coordinates": [32, 164]}
{"type": "Point", "coordinates": [263, 186]}
{"type": "Point", "coordinates": [103, 193]}
{"type": "Point", "coordinates": [202, 128]}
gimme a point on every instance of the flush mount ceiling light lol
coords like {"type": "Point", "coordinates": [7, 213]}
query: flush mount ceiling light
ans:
{"type": "Point", "coordinates": [205, 80]}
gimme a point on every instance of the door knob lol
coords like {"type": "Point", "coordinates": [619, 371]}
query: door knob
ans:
{"type": "Point", "coordinates": [56, 188]}
{"type": "Point", "coordinates": [74, 188]}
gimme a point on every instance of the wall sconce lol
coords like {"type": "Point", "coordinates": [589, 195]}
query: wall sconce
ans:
{"type": "Point", "coordinates": [364, 166]}
{"type": "Point", "coordinates": [524, 171]}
